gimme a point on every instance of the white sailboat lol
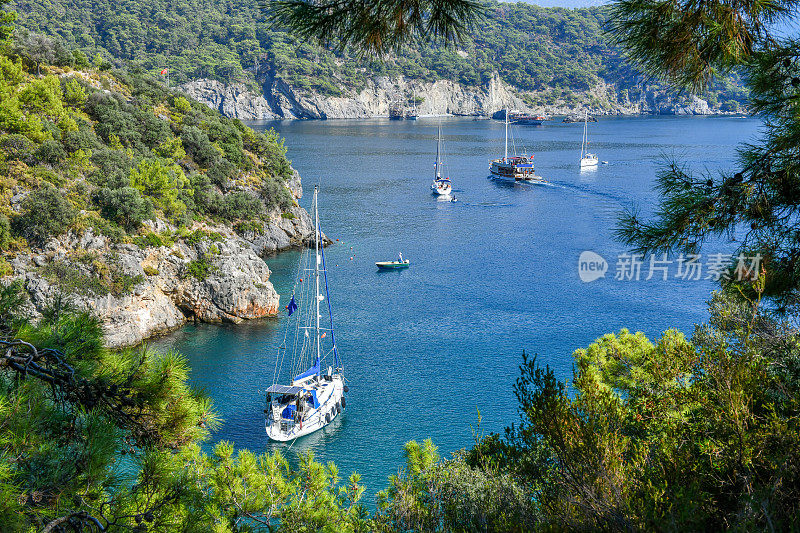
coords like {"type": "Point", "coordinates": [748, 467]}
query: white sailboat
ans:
{"type": "Point", "coordinates": [587, 159]}
{"type": "Point", "coordinates": [314, 397]}
{"type": "Point", "coordinates": [440, 186]}
{"type": "Point", "coordinates": [515, 168]}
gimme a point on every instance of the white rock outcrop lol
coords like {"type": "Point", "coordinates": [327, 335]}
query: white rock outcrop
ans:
{"type": "Point", "coordinates": [279, 100]}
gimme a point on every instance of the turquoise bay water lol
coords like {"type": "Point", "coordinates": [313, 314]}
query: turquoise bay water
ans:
{"type": "Point", "coordinates": [492, 274]}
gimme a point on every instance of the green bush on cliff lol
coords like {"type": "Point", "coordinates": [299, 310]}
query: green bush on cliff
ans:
{"type": "Point", "coordinates": [121, 148]}
{"type": "Point", "coordinates": [199, 268]}
{"type": "Point", "coordinates": [125, 206]}
{"type": "Point", "coordinates": [46, 213]}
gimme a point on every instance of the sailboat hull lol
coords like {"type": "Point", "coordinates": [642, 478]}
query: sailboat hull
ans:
{"type": "Point", "coordinates": [331, 404]}
{"type": "Point", "coordinates": [441, 190]}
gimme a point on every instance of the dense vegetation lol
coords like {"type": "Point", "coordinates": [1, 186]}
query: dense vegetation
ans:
{"type": "Point", "coordinates": [554, 52]}
{"type": "Point", "coordinates": [682, 434]}
{"type": "Point", "coordinates": [110, 149]}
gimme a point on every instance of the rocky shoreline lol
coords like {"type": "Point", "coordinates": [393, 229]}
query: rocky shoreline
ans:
{"type": "Point", "coordinates": [279, 100]}
{"type": "Point", "coordinates": [207, 273]}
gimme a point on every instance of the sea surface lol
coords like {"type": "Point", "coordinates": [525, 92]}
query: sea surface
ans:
{"type": "Point", "coordinates": [492, 274]}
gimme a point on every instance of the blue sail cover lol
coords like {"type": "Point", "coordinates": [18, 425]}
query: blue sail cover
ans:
{"type": "Point", "coordinates": [310, 372]}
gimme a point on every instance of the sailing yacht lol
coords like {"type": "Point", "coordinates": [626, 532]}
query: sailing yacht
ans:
{"type": "Point", "coordinates": [314, 397]}
{"type": "Point", "coordinates": [440, 186]}
{"type": "Point", "coordinates": [587, 159]}
{"type": "Point", "coordinates": [515, 168]}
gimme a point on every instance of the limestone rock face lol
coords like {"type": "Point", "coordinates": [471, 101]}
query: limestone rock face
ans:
{"type": "Point", "coordinates": [279, 100]}
{"type": "Point", "coordinates": [164, 293]}
{"type": "Point", "coordinates": [233, 101]}
{"type": "Point", "coordinates": [442, 97]}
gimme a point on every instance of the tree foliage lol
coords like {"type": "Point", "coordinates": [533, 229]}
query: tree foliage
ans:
{"type": "Point", "coordinates": [46, 214]}
{"type": "Point", "coordinates": [554, 51]}
{"type": "Point", "coordinates": [376, 27]}
{"type": "Point", "coordinates": [93, 439]}
{"type": "Point", "coordinates": [757, 201]}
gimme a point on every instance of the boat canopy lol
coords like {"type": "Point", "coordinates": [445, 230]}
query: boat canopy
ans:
{"type": "Point", "coordinates": [284, 389]}
{"type": "Point", "coordinates": [310, 372]}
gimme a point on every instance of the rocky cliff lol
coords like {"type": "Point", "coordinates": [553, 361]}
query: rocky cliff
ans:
{"type": "Point", "coordinates": [282, 101]}
{"type": "Point", "coordinates": [166, 277]}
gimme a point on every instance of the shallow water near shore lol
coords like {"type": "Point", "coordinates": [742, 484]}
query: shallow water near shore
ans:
{"type": "Point", "coordinates": [491, 275]}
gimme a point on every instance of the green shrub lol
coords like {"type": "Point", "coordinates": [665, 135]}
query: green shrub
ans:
{"type": "Point", "coordinates": [199, 268]}
{"type": "Point", "coordinates": [5, 268]}
{"type": "Point", "coordinates": [5, 232]}
{"type": "Point", "coordinates": [242, 206]}
{"type": "Point", "coordinates": [104, 226]}
{"type": "Point", "coordinates": [51, 152]}
{"type": "Point", "coordinates": [46, 214]}
{"type": "Point", "coordinates": [253, 226]}
{"type": "Point", "coordinates": [163, 183]}
{"type": "Point", "coordinates": [113, 168]}
{"type": "Point", "coordinates": [150, 270]}
{"type": "Point", "coordinates": [125, 206]}
{"type": "Point", "coordinates": [221, 172]}
{"type": "Point", "coordinates": [17, 147]}
{"type": "Point", "coordinates": [276, 194]}
{"type": "Point", "coordinates": [97, 276]}
{"type": "Point", "coordinates": [182, 104]}
{"type": "Point", "coordinates": [153, 240]}
{"type": "Point", "coordinates": [81, 61]}
{"type": "Point", "coordinates": [83, 139]}
{"type": "Point", "coordinates": [197, 144]}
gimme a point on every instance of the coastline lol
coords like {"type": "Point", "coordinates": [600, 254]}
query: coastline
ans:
{"type": "Point", "coordinates": [166, 278]}
{"type": "Point", "coordinates": [278, 100]}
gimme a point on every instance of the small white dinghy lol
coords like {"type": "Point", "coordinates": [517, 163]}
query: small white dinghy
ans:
{"type": "Point", "coordinates": [313, 398]}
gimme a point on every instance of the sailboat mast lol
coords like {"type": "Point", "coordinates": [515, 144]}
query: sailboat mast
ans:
{"type": "Point", "coordinates": [316, 272]}
{"type": "Point", "coordinates": [585, 122]}
{"type": "Point", "coordinates": [505, 154]}
{"type": "Point", "coordinates": [438, 154]}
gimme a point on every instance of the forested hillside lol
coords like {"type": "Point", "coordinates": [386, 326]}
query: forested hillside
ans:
{"type": "Point", "coordinates": [113, 186]}
{"type": "Point", "coordinates": [109, 150]}
{"type": "Point", "coordinates": [550, 51]}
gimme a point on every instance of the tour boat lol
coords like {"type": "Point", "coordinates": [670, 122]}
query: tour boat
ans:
{"type": "Point", "coordinates": [526, 119]}
{"type": "Point", "coordinates": [314, 397]}
{"type": "Point", "coordinates": [440, 186]}
{"type": "Point", "coordinates": [518, 168]}
{"type": "Point", "coordinates": [587, 159]}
